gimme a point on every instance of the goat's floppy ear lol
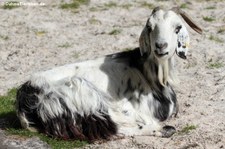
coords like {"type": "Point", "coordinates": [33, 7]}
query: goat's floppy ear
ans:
{"type": "Point", "coordinates": [144, 41]}
{"type": "Point", "coordinates": [182, 42]}
{"type": "Point", "coordinates": [183, 37]}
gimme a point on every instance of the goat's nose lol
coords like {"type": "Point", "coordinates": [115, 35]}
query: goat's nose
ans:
{"type": "Point", "coordinates": [161, 46]}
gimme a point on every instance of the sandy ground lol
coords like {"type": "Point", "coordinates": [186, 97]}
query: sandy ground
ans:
{"type": "Point", "coordinates": [34, 38]}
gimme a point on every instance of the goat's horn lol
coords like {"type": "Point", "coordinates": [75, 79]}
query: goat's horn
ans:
{"type": "Point", "coordinates": [156, 9]}
{"type": "Point", "coordinates": [188, 19]}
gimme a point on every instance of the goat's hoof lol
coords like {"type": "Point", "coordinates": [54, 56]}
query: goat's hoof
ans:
{"type": "Point", "coordinates": [168, 131]}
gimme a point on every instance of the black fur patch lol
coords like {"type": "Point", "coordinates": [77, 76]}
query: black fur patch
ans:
{"type": "Point", "coordinates": [118, 92]}
{"type": "Point", "coordinates": [139, 84]}
{"type": "Point", "coordinates": [133, 57]}
{"type": "Point", "coordinates": [140, 127]}
{"type": "Point", "coordinates": [182, 55]}
{"type": "Point", "coordinates": [130, 99]}
{"type": "Point", "coordinates": [141, 92]}
{"type": "Point", "coordinates": [163, 104]}
{"type": "Point", "coordinates": [66, 126]}
{"type": "Point", "coordinates": [179, 44]}
{"type": "Point", "coordinates": [174, 99]}
{"type": "Point", "coordinates": [129, 88]}
{"type": "Point", "coordinates": [89, 127]}
{"type": "Point", "coordinates": [162, 110]}
{"type": "Point", "coordinates": [95, 127]}
{"type": "Point", "coordinates": [26, 103]}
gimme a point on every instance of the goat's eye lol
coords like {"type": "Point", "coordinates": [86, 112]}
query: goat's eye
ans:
{"type": "Point", "coordinates": [149, 27]}
{"type": "Point", "coordinates": [178, 29]}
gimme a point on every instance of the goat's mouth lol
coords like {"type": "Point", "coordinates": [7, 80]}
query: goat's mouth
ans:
{"type": "Point", "coordinates": [161, 54]}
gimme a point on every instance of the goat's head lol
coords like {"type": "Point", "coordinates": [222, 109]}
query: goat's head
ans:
{"type": "Point", "coordinates": [165, 34]}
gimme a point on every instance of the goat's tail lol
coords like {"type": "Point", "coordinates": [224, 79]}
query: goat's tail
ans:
{"type": "Point", "coordinates": [72, 109]}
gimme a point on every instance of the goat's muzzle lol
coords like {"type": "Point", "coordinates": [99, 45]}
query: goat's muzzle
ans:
{"type": "Point", "coordinates": [158, 54]}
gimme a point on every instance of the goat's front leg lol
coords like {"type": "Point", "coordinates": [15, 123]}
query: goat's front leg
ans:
{"type": "Point", "coordinates": [147, 130]}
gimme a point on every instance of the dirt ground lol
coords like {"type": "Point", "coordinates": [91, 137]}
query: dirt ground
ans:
{"type": "Point", "coordinates": [35, 38]}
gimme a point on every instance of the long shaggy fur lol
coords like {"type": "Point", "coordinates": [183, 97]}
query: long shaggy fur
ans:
{"type": "Point", "coordinates": [127, 93]}
{"type": "Point", "coordinates": [63, 113]}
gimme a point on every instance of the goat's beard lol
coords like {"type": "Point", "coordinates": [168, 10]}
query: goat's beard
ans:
{"type": "Point", "coordinates": [163, 73]}
{"type": "Point", "coordinates": [166, 72]}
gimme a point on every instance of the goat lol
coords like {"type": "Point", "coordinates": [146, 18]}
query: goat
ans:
{"type": "Point", "coordinates": [125, 93]}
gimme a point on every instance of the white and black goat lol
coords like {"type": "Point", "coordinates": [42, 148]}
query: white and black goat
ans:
{"type": "Point", "coordinates": [125, 93]}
